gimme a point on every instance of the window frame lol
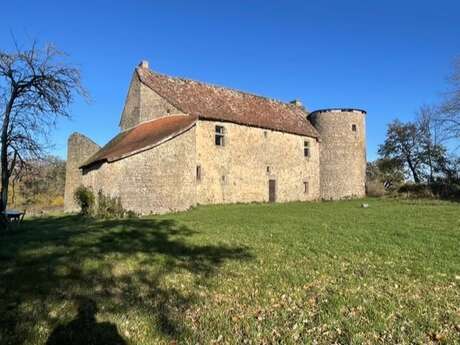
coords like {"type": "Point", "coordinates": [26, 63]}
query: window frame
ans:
{"type": "Point", "coordinates": [306, 187]}
{"type": "Point", "coordinates": [198, 173]}
{"type": "Point", "coordinates": [219, 135]}
{"type": "Point", "coordinates": [306, 149]}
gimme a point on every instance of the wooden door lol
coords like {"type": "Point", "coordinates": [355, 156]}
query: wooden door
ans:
{"type": "Point", "coordinates": [271, 190]}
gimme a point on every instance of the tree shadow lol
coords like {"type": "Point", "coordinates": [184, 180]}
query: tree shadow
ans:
{"type": "Point", "coordinates": [125, 267]}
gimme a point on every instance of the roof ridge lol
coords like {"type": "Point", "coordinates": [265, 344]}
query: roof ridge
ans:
{"type": "Point", "coordinates": [152, 120]}
{"type": "Point", "coordinates": [220, 87]}
{"type": "Point", "coordinates": [207, 100]}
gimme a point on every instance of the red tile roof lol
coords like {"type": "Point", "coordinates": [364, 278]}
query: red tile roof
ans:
{"type": "Point", "coordinates": [223, 104]}
{"type": "Point", "coordinates": [141, 138]}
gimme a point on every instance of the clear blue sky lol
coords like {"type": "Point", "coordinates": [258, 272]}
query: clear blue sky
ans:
{"type": "Point", "coordinates": [387, 57]}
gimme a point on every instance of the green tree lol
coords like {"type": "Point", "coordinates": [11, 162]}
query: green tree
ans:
{"type": "Point", "coordinates": [403, 147]}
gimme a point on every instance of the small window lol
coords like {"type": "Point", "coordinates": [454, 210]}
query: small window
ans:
{"type": "Point", "coordinates": [268, 169]}
{"type": "Point", "coordinates": [198, 172]}
{"type": "Point", "coordinates": [353, 127]}
{"type": "Point", "coordinates": [305, 187]}
{"type": "Point", "coordinates": [306, 148]}
{"type": "Point", "coordinates": [223, 178]}
{"type": "Point", "coordinates": [220, 131]}
{"type": "Point", "coordinates": [265, 134]}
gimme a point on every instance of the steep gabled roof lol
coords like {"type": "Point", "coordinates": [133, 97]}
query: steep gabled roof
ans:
{"type": "Point", "coordinates": [142, 137]}
{"type": "Point", "coordinates": [212, 102]}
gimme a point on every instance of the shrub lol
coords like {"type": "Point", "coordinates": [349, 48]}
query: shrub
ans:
{"type": "Point", "coordinates": [375, 189]}
{"type": "Point", "coordinates": [413, 190]}
{"type": "Point", "coordinates": [446, 191]}
{"type": "Point", "coordinates": [109, 207]}
{"type": "Point", "coordinates": [57, 201]}
{"type": "Point", "coordinates": [84, 197]}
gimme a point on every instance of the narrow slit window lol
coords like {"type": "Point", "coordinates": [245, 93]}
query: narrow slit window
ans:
{"type": "Point", "coordinates": [306, 148]}
{"type": "Point", "coordinates": [305, 187]}
{"type": "Point", "coordinates": [268, 169]}
{"type": "Point", "coordinates": [220, 134]}
{"type": "Point", "coordinates": [353, 128]}
{"type": "Point", "coordinates": [198, 172]}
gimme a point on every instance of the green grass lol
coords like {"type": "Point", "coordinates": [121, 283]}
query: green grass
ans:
{"type": "Point", "coordinates": [256, 274]}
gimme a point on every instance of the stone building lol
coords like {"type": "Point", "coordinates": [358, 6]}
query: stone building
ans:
{"type": "Point", "coordinates": [184, 143]}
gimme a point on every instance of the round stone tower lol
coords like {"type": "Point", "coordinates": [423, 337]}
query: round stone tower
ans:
{"type": "Point", "coordinates": [342, 152]}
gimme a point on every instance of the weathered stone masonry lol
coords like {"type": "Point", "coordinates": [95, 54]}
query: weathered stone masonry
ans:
{"type": "Point", "coordinates": [79, 148]}
{"type": "Point", "coordinates": [166, 158]}
{"type": "Point", "coordinates": [239, 171]}
{"type": "Point", "coordinates": [342, 152]}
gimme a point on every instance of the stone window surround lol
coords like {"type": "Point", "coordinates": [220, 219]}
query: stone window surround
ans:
{"type": "Point", "coordinates": [306, 187]}
{"type": "Point", "coordinates": [306, 148]}
{"type": "Point", "coordinates": [198, 173]}
{"type": "Point", "coordinates": [219, 135]}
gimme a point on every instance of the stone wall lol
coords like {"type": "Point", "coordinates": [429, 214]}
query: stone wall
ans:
{"type": "Point", "coordinates": [342, 152]}
{"type": "Point", "coordinates": [159, 180]}
{"type": "Point", "coordinates": [240, 170]}
{"type": "Point", "coordinates": [79, 149]}
{"type": "Point", "coordinates": [143, 104]}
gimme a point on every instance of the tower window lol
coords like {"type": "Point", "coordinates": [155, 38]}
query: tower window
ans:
{"type": "Point", "coordinates": [198, 172]}
{"type": "Point", "coordinates": [353, 128]}
{"type": "Point", "coordinates": [305, 187]}
{"type": "Point", "coordinates": [306, 148]}
{"type": "Point", "coordinates": [268, 169]}
{"type": "Point", "coordinates": [220, 132]}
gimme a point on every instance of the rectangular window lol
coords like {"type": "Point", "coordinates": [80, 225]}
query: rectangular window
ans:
{"type": "Point", "coordinates": [268, 169]}
{"type": "Point", "coordinates": [220, 132]}
{"type": "Point", "coordinates": [306, 148]}
{"type": "Point", "coordinates": [353, 127]}
{"type": "Point", "coordinates": [198, 172]}
{"type": "Point", "coordinates": [305, 187]}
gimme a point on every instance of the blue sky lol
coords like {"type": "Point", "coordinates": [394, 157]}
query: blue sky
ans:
{"type": "Point", "coordinates": [388, 57]}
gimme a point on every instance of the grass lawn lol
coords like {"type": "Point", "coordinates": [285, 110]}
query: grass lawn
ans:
{"type": "Point", "coordinates": [248, 274]}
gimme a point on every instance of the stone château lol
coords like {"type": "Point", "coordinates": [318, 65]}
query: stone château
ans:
{"type": "Point", "coordinates": [184, 143]}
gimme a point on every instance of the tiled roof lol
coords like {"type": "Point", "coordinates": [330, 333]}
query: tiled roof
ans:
{"type": "Point", "coordinates": [211, 102]}
{"type": "Point", "coordinates": [141, 138]}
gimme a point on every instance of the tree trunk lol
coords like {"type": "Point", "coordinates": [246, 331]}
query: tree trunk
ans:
{"type": "Point", "coordinates": [413, 171]}
{"type": "Point", "coordinates": [4, 160]}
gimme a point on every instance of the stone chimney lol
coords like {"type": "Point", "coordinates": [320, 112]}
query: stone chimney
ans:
{"type": "Point", "coordinates": [296, 102]}
{"type": "Point", "coordinates": [144, 64]}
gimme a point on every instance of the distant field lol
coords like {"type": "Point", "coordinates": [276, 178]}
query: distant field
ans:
{"type": "Point", "coordinates": [255, 274]}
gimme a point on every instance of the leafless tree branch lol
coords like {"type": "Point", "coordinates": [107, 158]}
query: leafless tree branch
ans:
{"type": "Point", "coordinates": [36, 88]}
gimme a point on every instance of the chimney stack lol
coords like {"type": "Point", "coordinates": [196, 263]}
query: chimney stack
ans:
{"type": "Point", "coordinates": [296, 102]}
{"type": "Point", "coordinates": [144, 64]}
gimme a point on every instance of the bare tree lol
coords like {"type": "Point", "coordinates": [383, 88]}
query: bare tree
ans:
{"type": "Point", "coordinates": [36, 87]}
{"type": "Point", "coordinates": [431, 137]}
{"type": "Point", "coordinates": [449, 111]}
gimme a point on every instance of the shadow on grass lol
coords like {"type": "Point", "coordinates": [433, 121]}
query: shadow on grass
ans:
{"type": "Point", "coordinates": [125, 267]}
{"type": "Point", "coordinates": [84, 329]}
